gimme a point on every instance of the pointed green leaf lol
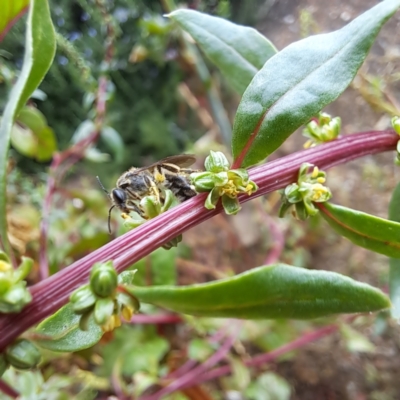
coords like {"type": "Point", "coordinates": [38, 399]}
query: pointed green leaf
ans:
{"type": "Point", "coordinates": [299, 81]}
{"type": "Point", "coordinates": [61, 332]}
{"type": "Point", "coordinates": [394, 271]}
{"type": "Point", "coordinates": [238, 51]}
{"type": "Point", "coordinates": [40, 45]}
{"type": "Point", "coordinates": [274, 291]}
{"type": "Point", "coordinates": [11, 11]}
{"type": "Point", "coordinates": [365, 230]}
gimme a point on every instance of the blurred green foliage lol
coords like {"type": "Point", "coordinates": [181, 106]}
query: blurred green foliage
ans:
{"type": "Point", "coordinates": [143, 99]}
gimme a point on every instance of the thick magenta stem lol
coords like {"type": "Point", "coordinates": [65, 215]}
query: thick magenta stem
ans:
{"type": "Point", "coordinates": [52, 293]}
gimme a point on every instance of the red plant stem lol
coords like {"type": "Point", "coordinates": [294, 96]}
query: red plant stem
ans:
{"type": "Point", "coordinates": [268, 357]}
{"type": "Point", "coordinates": [8, 390]}
{"type": "Point", "coordinates": [52, 293]}
{"type": "Point", "coordinates": [183, 381]}
{"type": "Point", "coordinates": [156, 319]}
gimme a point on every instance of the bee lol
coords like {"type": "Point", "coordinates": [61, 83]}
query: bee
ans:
{"type": "Point", "coordinates": [133, 185]}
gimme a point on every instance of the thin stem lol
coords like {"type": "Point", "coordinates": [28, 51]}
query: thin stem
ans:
{"type": "Point", "coordinates": [8, 390]}
{"type": "Point", "coordinates": [185, 380]}
{"type": "Point", "coordinates": [52, 293]}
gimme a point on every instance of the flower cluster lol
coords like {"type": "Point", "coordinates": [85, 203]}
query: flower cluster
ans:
{"type": "Point", "coordinates": [220, 181]}
{"type": "Point", "coordinates": [152, 207]}
{"type": "Point", "coordinates": [323, 129]}
{"type": "Point", "coordinates": [309, 189]}
{"type": "Point", "coordinates": [14, 295]}
{"type": "Point", "coordinates": [105, 298]}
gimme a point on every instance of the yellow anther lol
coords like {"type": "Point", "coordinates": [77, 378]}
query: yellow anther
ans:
{"type": "Point", "coordinates": [308, 144]}
{"type": "Point", "coordinates": [321, 179]}
{"type": "Point", "coordinates": [315, 172]}
{"type": "Point", "coordinates": [5, 266]}
{"type": "Point", "coordinates": [127, 313]}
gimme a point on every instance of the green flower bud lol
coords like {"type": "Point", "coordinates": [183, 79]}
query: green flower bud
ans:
{"type": "Point", "coordinates": [82, 300]}
{"type": "Point", "coordinates": [216, 162]}
{"type": "Point", "coordinates": [103, 310]}
{"type": "Point", "coordinates": [103, 279]}
{"type": "Point", "coordinates": [23, 354]}
{"type": "Point", "coordinates": [203, 181]}
{"type": "Point", "coordinates": [396, 124]}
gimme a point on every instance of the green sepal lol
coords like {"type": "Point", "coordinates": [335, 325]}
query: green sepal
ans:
{"type": "Point", "coordinates": [231, 205]}
{"type": "Point", "coordinates": [103, 279]}
{"type": "Point", "coordinates": [82, 300]}
{"type": "Point", "coordinates": [212, 199]}
{"type": "Point", "coordinates": [173, 242]}
{"type": "Point", "coordinates": [151, 206]}
{"type": "Point", "coordinates": [3, 364]}
{"type": "Point", "coordinates": [103, 310]}
{"type": "Point", "coordinates": [23, 354]}
{"type": "Point", "coordinates": [4, 257]}
{"type": "Point", "coordinates": [23, 269]}
{"type": "Point", "coordinates": [6, 282]}
{"type": "Point", "coordinates": [126, 277]}
{"type": "Point", "coordinates": [396, 124]}
{"type": "Point", "coordinates": [127, 299]}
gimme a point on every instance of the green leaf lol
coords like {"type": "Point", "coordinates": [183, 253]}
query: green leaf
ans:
{"type": "Point", "coordinates": [238, 51]}
{"type": "Point", "coordinates": [11, 11]}
{"type": "Point", "coordinates": [114, 141]}
{"type": "Point", "coordinates": [268, 386]}
{"type": "Point", "coordinates": [39, 53]}
{"type": "Point", "coordinates": [61, 332]}
{"type": "Point", "coordinates": [365, 230]}
{"type": "Point", "coordinates": [394, 263]}
{"type": "Point", "coordinates": [275, 291]}
{"type": "Point", "coordinates": [299, 81]}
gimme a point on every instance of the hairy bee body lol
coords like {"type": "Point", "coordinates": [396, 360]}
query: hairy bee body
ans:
{"type": "Point", "coordinates": [136, 183]}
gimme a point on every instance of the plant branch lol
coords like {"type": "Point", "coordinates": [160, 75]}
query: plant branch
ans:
{"type": "Point", "coordinates": [52, 293]}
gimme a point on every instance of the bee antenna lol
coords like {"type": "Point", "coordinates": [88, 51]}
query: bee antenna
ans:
{"type": "Point", "coordinates": [109, 219]}
{"type": "Point", "coordinates": [102, 186]}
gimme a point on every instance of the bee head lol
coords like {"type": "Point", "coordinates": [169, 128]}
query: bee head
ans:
{"type": "Point", "coordinates": [118, 197]}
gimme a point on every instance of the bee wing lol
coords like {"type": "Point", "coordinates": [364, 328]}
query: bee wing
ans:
{"type": "Point", "coordinates": [181, 160]}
